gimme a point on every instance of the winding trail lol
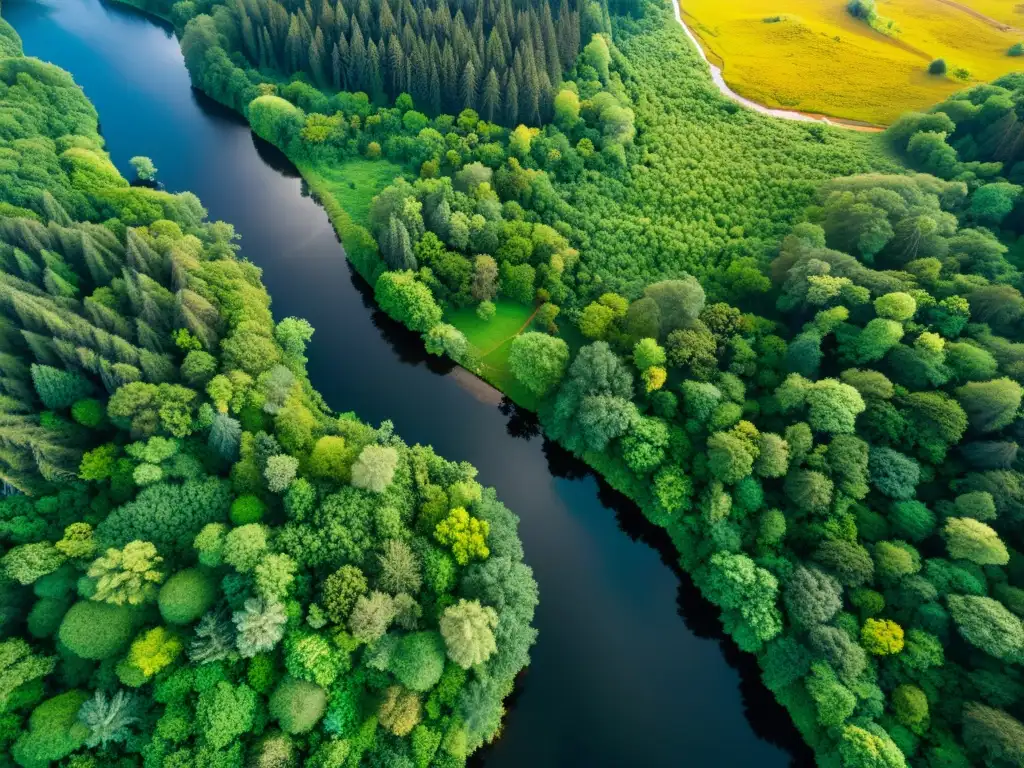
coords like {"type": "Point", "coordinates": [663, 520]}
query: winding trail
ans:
{"type": "Point", "coordinates": [980, 16]}
{"type": "Point", "coordinates": [523, 328]}
{"type": "Point", "coordinates": [784, 114]}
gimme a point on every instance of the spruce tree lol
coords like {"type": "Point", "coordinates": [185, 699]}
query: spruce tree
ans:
{"type": "Point", "coordinates": [467, 86]}
{"type": "Point", "coordinates": [491, 97]}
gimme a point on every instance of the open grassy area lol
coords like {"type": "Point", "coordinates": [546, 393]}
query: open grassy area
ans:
{"type": "Point", "coordinates": [492, 339]}
{"type": "Point", "coordinates": [354, 183]}
{"type": "Point", "coordinates": [812, 55]}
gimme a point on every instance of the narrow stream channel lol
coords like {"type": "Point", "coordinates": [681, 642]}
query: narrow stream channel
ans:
{"type": "Point", "coordinates": [630, 668]}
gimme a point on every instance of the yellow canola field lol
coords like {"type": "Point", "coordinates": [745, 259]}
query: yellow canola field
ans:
{"type": "Point", "coordinates": [813, 56]}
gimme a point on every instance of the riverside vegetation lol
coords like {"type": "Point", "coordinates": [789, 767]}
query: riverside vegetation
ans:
{"type": "Point", "coordinates": [799, 350]}
{"type": "Point", "coordinates": [205, 565]}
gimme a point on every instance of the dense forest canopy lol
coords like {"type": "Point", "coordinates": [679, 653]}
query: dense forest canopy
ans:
{"type": "Point", "coordinates": [840, 472]}
{"type": "Point", "coordinates": [804, 362]}
{"type": "Point", "coordinates": [201, 563]}
{"type": "Point", "coordinates": [502, 59]}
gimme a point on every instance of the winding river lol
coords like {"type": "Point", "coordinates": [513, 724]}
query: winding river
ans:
{"type": "Point", "coordinates": [630, 668]}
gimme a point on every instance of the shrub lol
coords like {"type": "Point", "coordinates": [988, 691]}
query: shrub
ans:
{"type": "Point", "coordinates": [88, 412]}
{"type": "Point", "coordinates": [375, 468]}
{"type": "Point", "coordinates": [937, 67]}
{"type": "Point", "coordinates": [127, 576]}
{"type": "Point", "coordinates": [97, 631]}
{"type": "Point", "coordinates": [244, 546]}
{"type": "Point", "coordinates": [341, 590]}
{"type": "Point", "coordinates": [54, 731]}
{"type": "Point", "coordinates": [247, 509]}
{"type": "Point", "coordinates": [881, 637]}
{"type": "Point", "coordinates": [46, 615]}
{"type": "Point", "coordinates": [468, 632]}
{"type": "Point", "coordinates": [186, 596]}
{"type": "Point", "coordinates": [486, 310]}
{"type": "Point", "coordinates": [418, 661]}
{"type": "Point", "coordinates": [297, 705]}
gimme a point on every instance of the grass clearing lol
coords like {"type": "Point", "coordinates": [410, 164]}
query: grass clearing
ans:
{"type": "Point", "coordinates": [493, 339]}
{"type": "Point", "coordinates": [354, 183]}
{"type": "Point", "coordinates": [813, 56]}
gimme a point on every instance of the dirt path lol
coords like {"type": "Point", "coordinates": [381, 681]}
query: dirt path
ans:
{"type": "Point", "coordinates": [980, 16]}
{"type": "Point", "coordinates": [522, 328]}
{"type": "Point", "coordinates": [784, 114]}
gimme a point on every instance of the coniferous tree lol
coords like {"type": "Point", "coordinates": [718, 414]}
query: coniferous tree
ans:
{"type": "Point", "coordinates": [467, 86]}
{"type": "Point", "coordinates": [441, 54]}
{"type": "Point", "coordinates": [491, 97]}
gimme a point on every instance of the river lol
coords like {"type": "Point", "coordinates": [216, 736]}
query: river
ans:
{"type": "Point", "coordinates": [630, 668]}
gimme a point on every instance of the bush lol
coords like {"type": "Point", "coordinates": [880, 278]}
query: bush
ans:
{"type": "Point", "coordinates": [96, 631]}
{"type": "Point", "coordinates": [53, 731]}
{"type": "Point", "coordinates": [186, 596]}
{"type": "Point", "coordinates": [486, 310]}
{"type": "Point", "coordinates": [937, 67]}
{"type": "Point", "coordinates": [247, 509]}
{"type": "Point", "coordinates": [88, 412]}
{"type": "Point", "coordinates": [297, 705]}
{"type": "Point", "coordinates": [418, 661]}
{"type": "Point", "coordinates": [45, 617]}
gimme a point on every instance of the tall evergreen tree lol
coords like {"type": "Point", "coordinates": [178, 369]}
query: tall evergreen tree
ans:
{"type": "Point", "coordinates": [491, 97]}
{"type": "Point", "coordinates": [467, 86]}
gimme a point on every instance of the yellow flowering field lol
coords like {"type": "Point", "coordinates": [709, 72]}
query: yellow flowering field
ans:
{"type": "Point", "coordinates": [813, 56]}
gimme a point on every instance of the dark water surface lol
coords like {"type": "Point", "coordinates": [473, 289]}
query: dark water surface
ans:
{"type": "Point", "coordinates": [629, 669]}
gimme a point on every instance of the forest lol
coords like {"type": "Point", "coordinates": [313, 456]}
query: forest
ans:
{"type": "Point", "coordinates": [801, 356]}
{"type": "Point", "coordinates": [798, 349]}
{"type": "Point", "coordinates": [202, 564]}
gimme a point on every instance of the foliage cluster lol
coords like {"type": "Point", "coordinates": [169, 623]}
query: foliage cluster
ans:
{"type": "Point", "coordinates": [205, 565]}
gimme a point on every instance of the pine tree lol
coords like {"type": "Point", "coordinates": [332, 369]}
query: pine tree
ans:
{"type": "Point", "coordinates": [495, 58]}
{"type": "Point", "coordinates": [336, 68]}
{"type": "Point", "coordinates": [419, 84]}
{"type": "Point", "coordinates": [387, 25]}
{"type": "Point", "coordinates": [396, 65]}
{"type": "Point", "coordinates": [512, 99]}
{"type": "Point", "coordinates": [566, 51]}
{"type": "Point", "coordinates": [435, 89]}
{"type": "Point", "coordinates": [491, 97]}
{"type": "Point", "coordinates": [269, 51]}
{"type": "Point", "coordinates": [292, 45]}
{"type": "Point", "coordinates": [397, 246]}
{"type": "Point", "coordinates": [467, 86]}
{"type": "Point", "coordinates": [317, 59]}
{"type": "Point", "coordinates": [449, 79]}
{"type": "Point", "coordinates": [356, 58]}
{"type": "Point", "coordinates": [249, 39]}
{"type": "Point", "coordinates": [374, 80]}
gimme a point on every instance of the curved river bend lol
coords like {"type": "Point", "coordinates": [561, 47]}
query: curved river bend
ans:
{"type": "Point", "coordinates": [617, 678]}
